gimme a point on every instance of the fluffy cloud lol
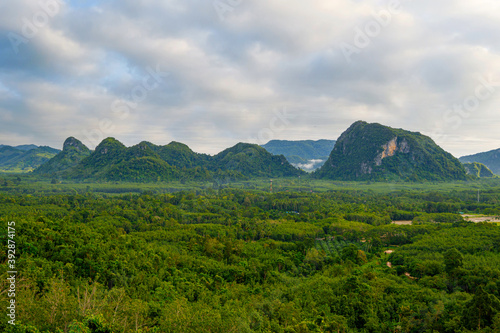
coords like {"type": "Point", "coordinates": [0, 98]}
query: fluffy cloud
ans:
{"type": "Point", "coordinates": [84, 68]}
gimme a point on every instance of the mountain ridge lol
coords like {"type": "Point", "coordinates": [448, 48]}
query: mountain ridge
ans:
{"type": "Point", "coordinates": [111, 160]}
{"type": "Point", "coordinates": [24, 158]}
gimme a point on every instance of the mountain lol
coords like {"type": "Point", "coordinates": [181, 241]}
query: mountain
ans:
{"type": "Point", "coordinates": [304, 154]}
{"type": "Point", "coordinates": [478, 169]}
{"type": "Point", "coordinates": [376, 152]}
{"type": "Point", "coordinates": [490, 158]}
{"type": "Point", "coordinates": [22, 147]}
{"type": "Point", "coordinates": [111, 160]}
{"type": "Point", "coordinates": [253, 160]}
{"type": "Point", "coordinates": [24, 158]}
{"type": "Point", "coordinates": [181, 156]}
{"type": "Point", "coordinates": [73, 152]}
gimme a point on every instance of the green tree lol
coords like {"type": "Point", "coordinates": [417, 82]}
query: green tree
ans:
{"type": "Point", "coordinates": [453, 259]}
{"type": "Point", "coordinates": [481, 310]}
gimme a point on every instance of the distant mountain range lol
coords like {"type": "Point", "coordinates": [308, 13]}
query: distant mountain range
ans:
{"type": "Point", "coordinates": [490, 158]}
{"type": "Point", "coordinates": [111, 160]}
{"type": "Point", "coordinates": [307, 155]}
{"type": "Point", "coordinates": [24, 158]}
{"type": "Point", "coordinates": [372, 152]}
{"type": "Point", "coordinates": [22, 147]}
{"type": "Point", "coordinates": [381, 153]}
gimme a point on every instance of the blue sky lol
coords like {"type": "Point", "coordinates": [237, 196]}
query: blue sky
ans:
{"type": "Point", "coordinates": [214, 73]}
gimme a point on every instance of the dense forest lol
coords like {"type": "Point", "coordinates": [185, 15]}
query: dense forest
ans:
{"type": "Point", "coordinates": [242, 260]}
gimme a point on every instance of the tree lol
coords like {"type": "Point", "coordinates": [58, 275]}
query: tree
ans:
{"type": "Point", "coordinates": [453, 259]}
{"type": "Point", "coordinates": [481, 310]}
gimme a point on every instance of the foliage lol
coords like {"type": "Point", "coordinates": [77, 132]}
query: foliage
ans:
{"type": "Point", "coordinates": [478, 169]}
{"type": "Point", "coordinates": [241, 260]}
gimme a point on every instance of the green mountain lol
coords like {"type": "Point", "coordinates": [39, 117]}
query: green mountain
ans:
{"type": "Point", "coordinates": [253, 160]}
{"type": "Point", "coordinates": [490, 158]}
{"type": "Point", "coordinates": [111, 160]}
{"type": "Point", "coordinates": [73, 152]}
{"type": "Point", "coordinates": [376, 152]}
{"type": "Point", "coordinates": [22, 147]}
{"type": "Point", "coordinates": [181, 156]}
{"type": "Point", "coordinates": [479, 170]}
{"type": "Point", "coordinates": [24, 158]}
{"type": "Point", "coordinates": [305, 154]}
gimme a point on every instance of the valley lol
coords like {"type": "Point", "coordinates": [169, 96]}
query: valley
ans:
{"type": "Point", "coordinates": [389, 235]}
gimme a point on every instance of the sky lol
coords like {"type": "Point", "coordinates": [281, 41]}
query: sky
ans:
{"type": "Point", "coordinates": [211, 74]}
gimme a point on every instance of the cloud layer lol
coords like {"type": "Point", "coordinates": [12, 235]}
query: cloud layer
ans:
{"type": "Point", "coordinates": [214, 73]}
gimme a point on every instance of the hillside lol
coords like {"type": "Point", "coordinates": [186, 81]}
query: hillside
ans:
{"type": "Point", "coordinates": [490, 158]}
{"type": "Point", "coordinates": [376, 152]}
{"type": "Point", "coordinates": [181, 156]}
{"type": "Point", "coordinates": [24, 158]}
{"type": "Point", "coordinates": [111, 160]}
{"type": "Point", "coordinates": [73, 152]}
{"type": "Point", "coordinates": [305, 154]}
{"type": "Point", "coordinates": [253, 160]}
{"type": "Point", "coordinates": [147, 162]}
{"type": "Point", "coordinates": [478, 169]}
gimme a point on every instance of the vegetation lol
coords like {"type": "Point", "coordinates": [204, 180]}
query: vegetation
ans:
{"type": "Point", "coordinates": [479, 170]}
{"type": "Point", "coordinates": [24, 158]}
{"type": "Point", "coordinates": [491, 159]}
{"type": "Point", "coordinates": [138, 258]}
{"type": "Point", "coordinates": [253, 160]}
{"type": "Point", "coordinates": [146, 162]}
{"type": "Point", "coordinates": [380, 153]}
{"type": "Point", "coordinates": [73, 152]}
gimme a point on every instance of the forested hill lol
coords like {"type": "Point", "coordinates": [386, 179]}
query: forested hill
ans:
{"type": "Point", "coordinates": [490, 158]}
{"type": "Point", "coordinates": [305, 154]}
{"type": "Point", "coordinates": [479, 170]}
{"type": "Point", "coordinates": [24, 158]}
{"type": "Point", "coordinates": [73, 152]}
{"type": "Point", "coordinates": [376, 152]}
{"type": "Point", "coordinates": [254, 160]}
{"type": "Point", "coordinates": [145, 161]}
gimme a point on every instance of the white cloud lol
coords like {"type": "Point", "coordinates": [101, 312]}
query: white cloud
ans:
{"type": "Point", "coordinates": [227, 77]}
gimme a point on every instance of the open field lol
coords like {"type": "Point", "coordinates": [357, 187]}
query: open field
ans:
{"type": "Point", "coordinates": [481, 218]}
{"type": "Point", "coordinates": [402, 222]}
{"type": "Point", "coordinates": [30, 183]}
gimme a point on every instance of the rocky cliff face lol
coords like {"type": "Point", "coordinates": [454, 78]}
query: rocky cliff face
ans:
{"type": "Point", "coordinates": [391, 148]}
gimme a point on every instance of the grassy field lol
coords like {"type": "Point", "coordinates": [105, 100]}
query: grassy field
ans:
{"type": "Point", "coordinates": [28, 183]}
